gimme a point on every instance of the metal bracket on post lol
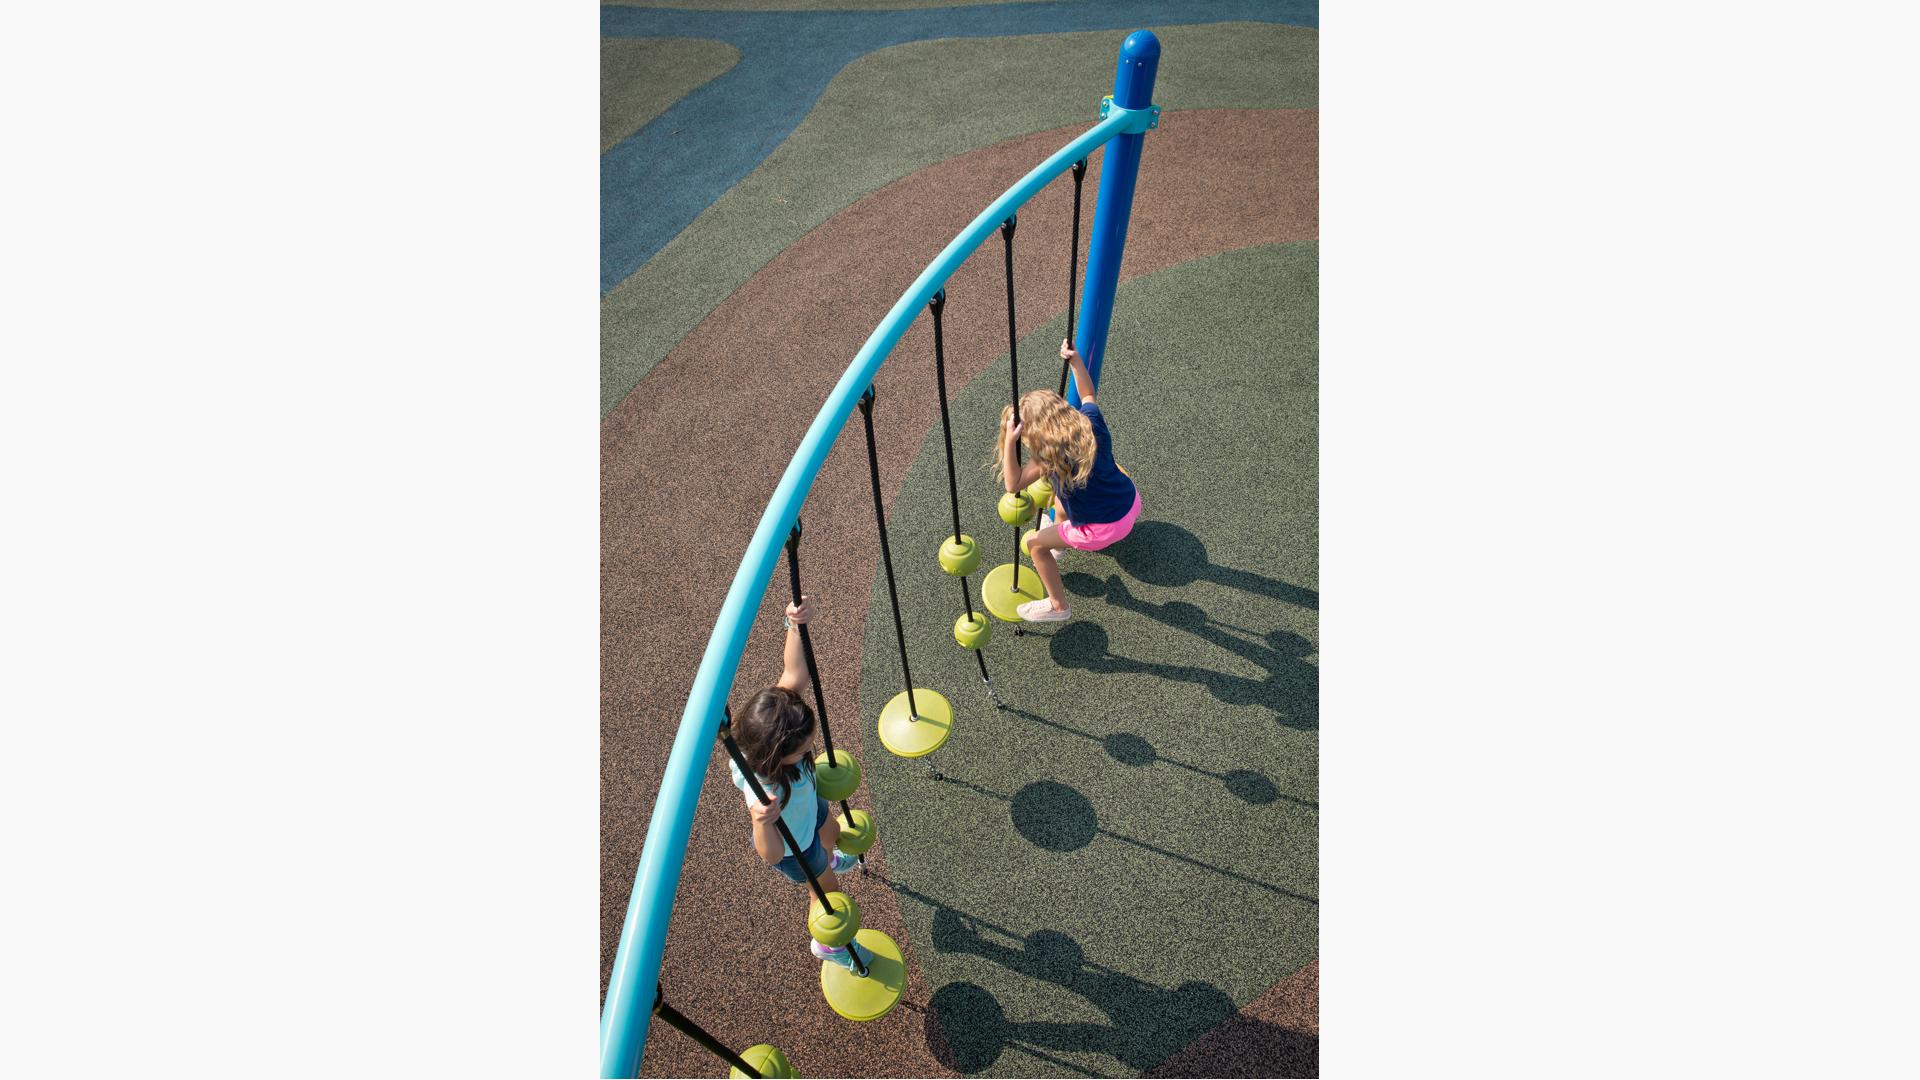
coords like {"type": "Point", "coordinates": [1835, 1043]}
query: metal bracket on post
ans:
{"type": "Point", "coordinates": [1138, 120]}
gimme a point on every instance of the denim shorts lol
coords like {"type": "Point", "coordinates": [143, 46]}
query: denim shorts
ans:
{"type": "Point", "coordinates": [816, 853]}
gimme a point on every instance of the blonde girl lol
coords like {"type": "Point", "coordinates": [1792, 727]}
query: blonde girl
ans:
{"type": "Point", "coordinates": [1097, 503]}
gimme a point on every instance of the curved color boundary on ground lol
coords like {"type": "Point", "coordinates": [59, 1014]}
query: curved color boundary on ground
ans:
{"type": "Point", "coordinates": [640, 78]}
{"type": "Point", "coordinates": [1276, 1034]}
{"type": "Point", "coordinates": [1128, 853]}
{"type": "Point", "coordinates": [654, 184]}
{"type": "Point", "coordinates": [846, 149]}
{"type": "Point", "coordinates": [687, 466]}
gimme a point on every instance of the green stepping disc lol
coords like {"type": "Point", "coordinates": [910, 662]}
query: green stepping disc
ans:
{"type": "Point", "coordinates": [972, 632]}
{"type": "Point", "coordinates": [768, 1061]}
{"type": "Point", "coordinates": [835, 928]}
{"type": "Point", "coordinates": [996, 591]}
{"type": "Point", "coordinates": [836, 779]}
{"type": "Point", "coordinates": [909, 736]}
{"type": "Point", "coordinates": [874, 996]}
{"type": "Point", "coordinates": [858, 835]}
{"type": "Point", "coordinates": [959, 557]}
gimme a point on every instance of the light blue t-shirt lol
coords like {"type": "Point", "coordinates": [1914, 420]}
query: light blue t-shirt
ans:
{"type": "Point", "coordinates": [800, 812]}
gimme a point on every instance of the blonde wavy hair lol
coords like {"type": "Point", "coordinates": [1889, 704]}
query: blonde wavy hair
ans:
{"type": "Point", "coordinates": [1057, 435]}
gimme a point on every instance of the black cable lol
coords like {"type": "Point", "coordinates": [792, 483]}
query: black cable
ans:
{"type": "Point", "coordinates": [813, 669]}
{"type": "Point", "coordinates": [697, 1033]}
{"type": "Point", "coordinates": [1073, 261]}
{"type": "Point", "coordinates": [946, 426]}
{"type": "Point", "coordinates": [938, 303]}
{"type": "Point", "coordinates": [886, 553]}
{"type": "Point", "coordinates": [1013, 357]}
{"type": "Point", "coordinates": [979, 654]}
{"type": "Point", "coordinates": [806, 641]}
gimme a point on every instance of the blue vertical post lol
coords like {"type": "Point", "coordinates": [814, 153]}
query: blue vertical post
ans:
{"type": "Point", "coordinates": [1132, 89]}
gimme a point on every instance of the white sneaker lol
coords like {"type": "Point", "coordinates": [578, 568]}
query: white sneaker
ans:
{"type": "Point", "coordinates": [841, 956]}
{"type": "Point", "coordinates": [843, 862]}
{"type": "Point", "coordinates": [1043, 611]}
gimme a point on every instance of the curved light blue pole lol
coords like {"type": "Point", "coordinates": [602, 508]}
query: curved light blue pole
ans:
{"type": "Point", "coordinates": [1132, 89]}
{"type": "Point", "coordinates": [636, 964]}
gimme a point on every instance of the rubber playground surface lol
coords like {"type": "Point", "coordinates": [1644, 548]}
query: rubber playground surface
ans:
{"type": "Point", "coordinates": [1118, 873]}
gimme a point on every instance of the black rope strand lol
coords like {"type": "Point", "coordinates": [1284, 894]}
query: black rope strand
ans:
{"type": "Point", "coordinates": [946, 429]}
{"type": "Point", "coordinates": [1013, 357]}
{"type": "Point", "coordinates": [978, 654]}
{"type": "Point", "coordinates": [886, 554]}
{"type": "Point", "coordinates": [813, 669]}
{"type": "Point", "coordinates": [697, 1033]}
{"type": "Point", "coordinates": [1073, 262]}
{"type": "Point", "coordinates": [946, 426]}
{"type": "Point", "coordinates": [806, 642]}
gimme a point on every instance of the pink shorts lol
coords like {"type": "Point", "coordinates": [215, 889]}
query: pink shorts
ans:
{"type": "Point", "coordinates": [1095, 537]}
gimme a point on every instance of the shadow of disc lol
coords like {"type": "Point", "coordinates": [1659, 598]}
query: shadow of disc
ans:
{"type": "Point", "coordinates": [1129, 749]}
{"type": "Point", "coordinates": [965, 1027]}
{"type": "Point", "coordinates": [1251, 787]}
{"type": "Point", "coordinates": [1053, 956]}
{"type": "Point", "coordinates": [1054, 816]}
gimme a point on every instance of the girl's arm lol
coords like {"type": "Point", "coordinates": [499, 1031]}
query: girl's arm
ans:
{"type": "Point", "coordinates": [794, 675]}
{"type": "Point", "coordinates": [1082, 381]}
{"type": "Point", "coordinates": [1016, 477]}
{"type": "Point", "coordinates": [766, 837]}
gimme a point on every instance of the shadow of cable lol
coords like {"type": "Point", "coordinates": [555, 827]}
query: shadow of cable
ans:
{"type": "Point", "coordinates": [1056, 817]}
{"type": "Point", "coordinates": [1134, 750]}
{"type": "Point", "coordinates": [1291, 690]}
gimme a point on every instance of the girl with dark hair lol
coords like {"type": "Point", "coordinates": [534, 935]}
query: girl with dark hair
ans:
{"type": "Point", "coordinates": [775, 735]}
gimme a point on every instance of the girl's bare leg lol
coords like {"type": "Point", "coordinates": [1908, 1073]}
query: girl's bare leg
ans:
{"type": "Point", "coordinates": [1041, 546]}
{"type": "Point", "coordinates": [829, 835]}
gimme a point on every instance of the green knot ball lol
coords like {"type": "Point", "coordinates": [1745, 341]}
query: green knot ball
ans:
{"type": "Point", "coordinates": [959, 557]}
{"type": "Point", "coordinates": [838, 928]}
{"type": "Point", "coordinates": [1041, 492]}
{"type": "Point", "coordinates": [836, 779]}
{"type": "Point", "coordinates": [768, 1061]}
{"type": "Point", "coordinates": [971, 632]}
{"type": "Point", "coordinates": [1015, 507]}
{"type": "Point", "coordinates": [857, 835]}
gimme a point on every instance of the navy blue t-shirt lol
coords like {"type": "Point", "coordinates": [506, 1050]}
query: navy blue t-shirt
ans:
{"type": "Point", "coordinates": [1108, 494]}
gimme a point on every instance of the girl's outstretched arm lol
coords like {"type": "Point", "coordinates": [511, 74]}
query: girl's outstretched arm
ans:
{"type": "Point", "coordinates": [794, 675]}
{"type": "Point", "coordinates": [1082, 380]}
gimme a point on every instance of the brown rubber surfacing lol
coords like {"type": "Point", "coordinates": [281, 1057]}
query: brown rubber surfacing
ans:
{"type": "Point", "coordinates": [691, 458]}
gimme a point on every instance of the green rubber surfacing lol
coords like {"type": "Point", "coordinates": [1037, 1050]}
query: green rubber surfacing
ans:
{"type": "Point", "coordinates": [1127, 856]}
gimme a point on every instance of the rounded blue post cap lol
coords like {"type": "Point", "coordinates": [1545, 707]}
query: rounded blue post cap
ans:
{"type": "Point", "coordinates": [1141, 45]}
{"type": "Point", "coordinates": [1139, 60]}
